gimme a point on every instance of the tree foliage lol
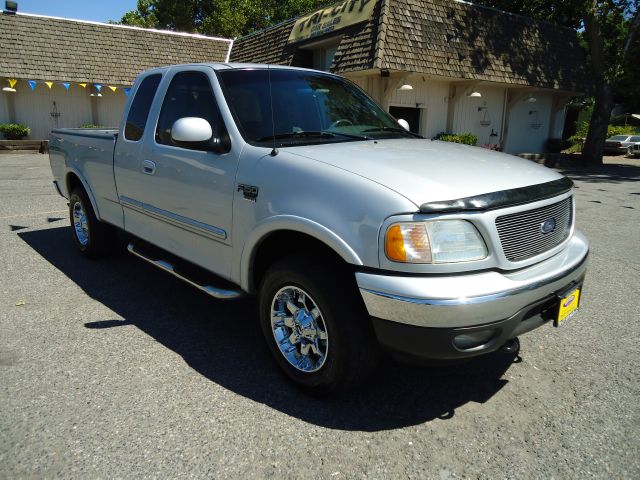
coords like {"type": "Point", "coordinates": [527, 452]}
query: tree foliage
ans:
{"type": "Point", "coordinates": [609, 34]}
{"type": "Point", "coordinates": [223, 18]}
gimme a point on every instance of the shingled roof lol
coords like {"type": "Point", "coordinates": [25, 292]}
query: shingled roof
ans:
{"type": "Point", "coordinates": [446, 38]}
{"type": "Point", "coordinates": [48, 48]}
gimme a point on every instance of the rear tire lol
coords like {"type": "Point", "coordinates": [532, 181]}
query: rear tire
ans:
{"type": "Point", "coordinates": [94, 239]}
{"type": "Point", "coordinates": [316, 325]}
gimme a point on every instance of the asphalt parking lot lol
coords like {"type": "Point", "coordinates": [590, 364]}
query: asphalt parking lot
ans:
{"type": "Point", "coordinates": [112, 369]}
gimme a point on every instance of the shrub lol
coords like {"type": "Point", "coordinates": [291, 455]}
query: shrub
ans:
{"type": "Point", "coordinates": [91, 125]}
{"type": "Point", "coordinates": [577, 140]}
{"type": "Point", "coordinates": [466, 138]}
{"type": "Point", "coordinates": [624, 130]}
{"type": "Point", "coordinates": [14, 131]}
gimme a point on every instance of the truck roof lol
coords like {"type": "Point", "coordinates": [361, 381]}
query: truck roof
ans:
{"type": "Point", "coordinates": [227, 66]}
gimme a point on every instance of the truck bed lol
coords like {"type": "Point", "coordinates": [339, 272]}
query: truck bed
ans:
{"type": "Point", "coordinates": [87, 154]}
{"type": "Point", "coordinates": [105, 133]}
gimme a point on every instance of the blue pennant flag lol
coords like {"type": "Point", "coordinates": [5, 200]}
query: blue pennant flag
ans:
{"type": "Point", "coordinates": [32, 84]}
{"type": "Point", "coordinates": [66, 85]}
{"type": "Point", "coordinates": [127, 91]}
{"type": "Point", "coordinates": [98, 86]}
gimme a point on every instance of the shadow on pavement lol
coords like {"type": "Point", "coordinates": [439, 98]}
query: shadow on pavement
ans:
{"type": "Point", "coordinates": [222, 341]}
{"type": "Point", "coordinates": [611, 173]}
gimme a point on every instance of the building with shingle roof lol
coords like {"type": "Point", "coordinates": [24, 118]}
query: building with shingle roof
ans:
{"type": "Point", "coordinates": [443, 65]}
{"type": "Point", "coordinates": [58, 64]}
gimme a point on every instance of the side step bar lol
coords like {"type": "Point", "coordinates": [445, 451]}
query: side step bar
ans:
{"type": "Point", "coordinates": [167, 266]}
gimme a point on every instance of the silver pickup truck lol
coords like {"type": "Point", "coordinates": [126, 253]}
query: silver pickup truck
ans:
{"type": "Point", "coordinates": [355, 234]}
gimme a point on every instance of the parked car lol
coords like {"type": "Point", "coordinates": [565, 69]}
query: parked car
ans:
{"type": "Point", "coordinates": [620, 143]}
{"type": "Point", "coordinates": [634, 150]}
{"type": "Point", "coordinates": [354, 234]}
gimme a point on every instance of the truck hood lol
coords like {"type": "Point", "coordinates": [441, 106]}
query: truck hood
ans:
{"type": "Point", "coordinates": [428, 171]}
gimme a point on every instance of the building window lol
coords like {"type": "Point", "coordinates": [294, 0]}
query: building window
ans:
{"type": "Point", "coordinates": [323, 57]}
{"type": "Point", "coordinates": [410, 114]}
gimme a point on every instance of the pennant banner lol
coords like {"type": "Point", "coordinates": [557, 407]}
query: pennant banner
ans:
{"type": "Point", "coordinates": [127, 91]}
{"type": "Point", "coordinates": [98, 86]}
{"type": "Point", "coordinates": [66, 85]}
{"type": "Point", "coordinates": [32, 84]}
{"type": "Point", "coordinates": [83, 85]}
{"type": "Point", "coordinates": [12, 82]}
{"type": "Point", "coordinates": [113, 89]}
{"type": "Point", "coordinates": [49, 84]}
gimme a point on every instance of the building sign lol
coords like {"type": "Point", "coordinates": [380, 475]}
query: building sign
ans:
{"type": "Point", "coordinates": [331, 19]}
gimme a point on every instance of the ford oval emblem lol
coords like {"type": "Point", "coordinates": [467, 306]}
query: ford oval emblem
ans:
{"type": "Point", "coordinates": [548, 226]}
{"type": "Point", "coordinates": [569, 301]}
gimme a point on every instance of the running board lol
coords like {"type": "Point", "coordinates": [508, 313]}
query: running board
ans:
{"type": "Point", "coordinates": [151, 254]}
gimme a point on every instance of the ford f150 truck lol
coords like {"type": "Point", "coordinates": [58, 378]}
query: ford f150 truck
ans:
{"type": "Point", "coordinates": [355, 234]}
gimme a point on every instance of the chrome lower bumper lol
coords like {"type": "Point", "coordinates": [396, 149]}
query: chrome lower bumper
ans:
{"type": "Point", "coordinates": [446, 301]}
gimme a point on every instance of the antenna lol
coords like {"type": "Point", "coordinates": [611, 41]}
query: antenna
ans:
{"type": "Point", "coordinates": [274, 152]}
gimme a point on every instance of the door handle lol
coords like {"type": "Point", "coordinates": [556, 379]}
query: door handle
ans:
{"type": "Point", "coordinates": [148, 167]}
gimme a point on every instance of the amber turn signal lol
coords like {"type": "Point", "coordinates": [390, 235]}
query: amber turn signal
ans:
{"type": "Point", "coordinates": [394, 244]}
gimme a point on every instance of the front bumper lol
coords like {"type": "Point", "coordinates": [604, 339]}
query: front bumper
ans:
{"type": "Point", "coordinates": [422, 315]}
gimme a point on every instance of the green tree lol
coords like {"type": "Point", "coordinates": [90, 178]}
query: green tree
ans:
{"type": "Point", "coordinates": [609, 31]}
{"type": "Point", "coordinates": [224, 18]}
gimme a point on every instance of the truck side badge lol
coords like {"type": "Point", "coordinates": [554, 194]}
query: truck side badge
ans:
{"type": "Point", "coordinates": [249, 192]}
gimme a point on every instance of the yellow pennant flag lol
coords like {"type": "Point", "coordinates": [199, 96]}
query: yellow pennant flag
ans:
{"type": "Point", "coordinates": [113, 89]}
{"type": "Point", "coordinates": [49, 84]}
{"type": "Point", "coordinates": [12, 82]}
{"type": "Point", "coordinates": [83, 85]}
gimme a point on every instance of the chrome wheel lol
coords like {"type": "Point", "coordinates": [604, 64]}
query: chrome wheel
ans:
{"type": "Point", "coordinates": [299, 329]}
{"type": "Point", "coordinates": [80, 224]}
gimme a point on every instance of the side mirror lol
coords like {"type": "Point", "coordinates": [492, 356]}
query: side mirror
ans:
{"type": "Point", "coordinates": [191, 130]}
{"type": "Point", "coordinates": [404, 124]}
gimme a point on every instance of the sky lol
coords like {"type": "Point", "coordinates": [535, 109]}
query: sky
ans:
{"type": "Point", "coordinates": [94, 10]}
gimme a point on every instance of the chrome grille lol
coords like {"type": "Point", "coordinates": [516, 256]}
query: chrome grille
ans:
{"type": "Point", "coordinates": [521, 234]}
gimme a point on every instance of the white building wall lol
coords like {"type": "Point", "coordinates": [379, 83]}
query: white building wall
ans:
{"type": "Point", "coordinates": [524, 136]}
{"type": "Point", "coordinates": [428, 95]}
{"type": "Point", "coordinates": [4, 114]}
{"type": "Point", "coordinates": [110, 107]}
{"type": "Point", "coordinates": [35, 108]}
{"type": "Point", "coordinates": [470, 116]}
{"type": "Point", "coordinates": [558, 126]}
{"type": "Point", "coordinates": [431, 97]}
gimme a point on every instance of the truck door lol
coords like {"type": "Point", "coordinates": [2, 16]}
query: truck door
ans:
{"type": "Point", "coordinates": [179, 197]}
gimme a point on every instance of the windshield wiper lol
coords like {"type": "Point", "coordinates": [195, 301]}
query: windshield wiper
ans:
{"type": "Point", "coordinates": [392, 129]}
{"type": "Point", "coordinates": [311, 133]}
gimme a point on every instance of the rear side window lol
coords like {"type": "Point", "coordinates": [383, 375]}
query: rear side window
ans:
{"type": "Point", "coordinates": [634, 139]}
{"type": "Point", "coordinates": [139, 112]}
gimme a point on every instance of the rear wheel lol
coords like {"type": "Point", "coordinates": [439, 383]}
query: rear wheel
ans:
{"type": "Point", "coordinates": [316, 325]}
{"type": "Point", "coordinates": [93, 238]}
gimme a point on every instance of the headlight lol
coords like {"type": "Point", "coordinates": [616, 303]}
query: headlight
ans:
{"type": "Point", "coordinates": [436, 241]}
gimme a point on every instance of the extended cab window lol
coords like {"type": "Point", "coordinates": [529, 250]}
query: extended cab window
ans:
{"type": "Point", "coordinates": [189, 95]}
{"type": "Point", "coordinates": [139, 111]}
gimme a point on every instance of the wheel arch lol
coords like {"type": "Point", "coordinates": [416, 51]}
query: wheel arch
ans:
{"type": "Point", "coordinates": [73, 180]}
{"type": "Point", "coordinates": [285, 234]}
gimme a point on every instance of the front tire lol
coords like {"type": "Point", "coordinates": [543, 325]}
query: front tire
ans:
{"type": "Point", "coordinates": [94, 239]}
{"type": "Point", "coordinates": [316, 325]}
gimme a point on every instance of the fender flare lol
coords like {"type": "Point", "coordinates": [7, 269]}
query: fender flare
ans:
{"type": "Point", "coordinates": [86, 187]}
{"type": "Point", "coordinates": [295, 224]}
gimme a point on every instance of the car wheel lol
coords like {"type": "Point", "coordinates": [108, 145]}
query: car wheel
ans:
{"type": "Point", "coordinates": [93, 238]}
{"type": "Point", "coordinates": [316, 325]}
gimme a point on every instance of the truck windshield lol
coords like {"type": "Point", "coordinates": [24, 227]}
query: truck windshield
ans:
{"type": "Point", "coordinates": [308, 107]}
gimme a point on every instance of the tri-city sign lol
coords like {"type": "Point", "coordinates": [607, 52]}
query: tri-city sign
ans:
{"type": "Point", "coordinates": [330, 19]}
